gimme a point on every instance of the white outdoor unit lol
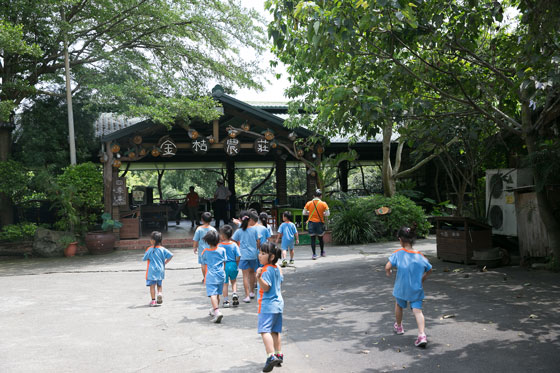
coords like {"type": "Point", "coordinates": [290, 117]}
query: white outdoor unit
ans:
{"type": "Point", "coordinates": [500, 199]}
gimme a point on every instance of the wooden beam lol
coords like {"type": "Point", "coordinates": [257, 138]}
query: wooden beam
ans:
{"type": "Point", "coordinates": [216, 130]}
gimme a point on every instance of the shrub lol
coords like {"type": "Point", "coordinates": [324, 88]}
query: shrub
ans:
{"type": "Point", "coordinates": [348, 227]}
{"type": "Point", "coordinates": [18, 232]}
{"type": "Point", "coordinates": [358, 218]}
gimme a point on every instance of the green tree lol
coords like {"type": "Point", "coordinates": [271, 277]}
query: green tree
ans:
{"type": "Point", "coordinates": [149, 58]}
{"type": "Point", "coordinates": [141, 58]}
{"type": "Point", "coordinates": [41, 139]}
{"type": "Point", "coordinates": [402, 58]}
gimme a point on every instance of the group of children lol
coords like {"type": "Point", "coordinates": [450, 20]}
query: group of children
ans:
{"type": "Point", "coordinates": [249, 249]}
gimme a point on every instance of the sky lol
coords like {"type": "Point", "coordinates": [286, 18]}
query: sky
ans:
{"type": "Point", "coordinates": [273, 91]}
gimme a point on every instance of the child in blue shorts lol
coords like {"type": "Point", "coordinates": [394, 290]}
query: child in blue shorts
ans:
{"type": "Point", "coordinates": [247, 238]}
{"type": "Point", "coordinates": [198, 240]}
{"type": "Point", "coordinates": [157, 257]}
{"type": "Point", "coordinates": [413, 268]}
{"type": "Point", "coordinates": [271, 304]}
{"type": "Point", "coordinates": [232, 261]}
{"type": "Point", "coordinates": [214, 258]}
{"type": "Point", "coordinates": [289, 234]}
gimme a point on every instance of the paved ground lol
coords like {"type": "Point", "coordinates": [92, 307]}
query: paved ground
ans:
{"type": "Point", "coordinates": [90, 314]}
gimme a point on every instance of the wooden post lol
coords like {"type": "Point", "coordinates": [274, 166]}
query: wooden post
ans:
{"type": "Point", "coordinates": [230, 173]}
{"type": "Point", "coordinates": [343, 176]}
{"type": "Point", "coordinates": [281, 180]}
{"type": "Point", "coordinates": [108, 179]}
{"type": "Point", "coordinates": [216, 131]}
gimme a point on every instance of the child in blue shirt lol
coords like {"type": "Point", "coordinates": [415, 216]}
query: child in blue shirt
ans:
{"type": "Point", "coordinates": [248, 240]}
{"type": "Point", "coordinates": [412, 270]}
{"type": "Point", "coordinates": [233, 255]}
{"type": "Point", "coordinates": [266, 230]}
{"type": "Point", "coordinates": [289, 234]}
{"type": "Point", "coordinates": [198, 240]}
{"type": "Point", "coordinates": [214, 259]}
{"type": "Point", "coordinates": [157, 257]}
{"type": "Point", "coordinates": [271, 305]}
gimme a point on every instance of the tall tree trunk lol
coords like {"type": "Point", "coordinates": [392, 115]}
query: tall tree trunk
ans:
{"type": "Point", "coordinates": [552, 225]}
{"type": "Point", "coordinates": [389, 182]}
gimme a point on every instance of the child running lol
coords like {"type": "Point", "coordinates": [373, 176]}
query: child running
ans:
{"type": "Point", "coordinates": [157, 257]}
{"type": "Point", "coordinates": [233, 255]}
{"type": "Point", "coordinates": [198, 240]}
{"type": "Point", "coordinates": [412, 270]}
{"type": "Point", "coordinates": [289, 234]}
{"type": "Point", "coordinates": [271, 305]}
{"type": "Point", "coordinates": [214, 259]}
{"type": "Point", "coordinates": [248, 240]}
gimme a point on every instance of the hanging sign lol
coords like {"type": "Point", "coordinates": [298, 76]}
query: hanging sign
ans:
{"type": "Point", "coordinates": [167, 146]}
{"type": "Point", "coordinates": [120, 193]}
{"type": "Point", "coordinates": [232, 147]}
{"type": "Point", "coordinates": [200, 146]}
{"type": "Point", "coordinates": [262, 146]}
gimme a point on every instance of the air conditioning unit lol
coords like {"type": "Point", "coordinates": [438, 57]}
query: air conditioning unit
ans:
{"type": "Point", "coordinates": [500, 198]}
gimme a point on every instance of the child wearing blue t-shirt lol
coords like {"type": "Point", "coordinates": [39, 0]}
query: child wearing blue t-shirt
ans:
{"type": "Point", "coordinates": [271, 305]}
{"type": "Point", "coordinates": [233, 255]}
{"type": "Point", "coordinates": [198, 240]}
{"type": "Point", "coordinates": [267, 229]}
{"type": "Point", "coordinates": [289, 234]}
{"type": "Point", "coordinates": [157, 257]}
{"type": "Point", "coordinates": [412, 270]}
{"type": "Point", "coordinates": [214, 259]}
{"type": "Point", "coordinates": [248, 240]}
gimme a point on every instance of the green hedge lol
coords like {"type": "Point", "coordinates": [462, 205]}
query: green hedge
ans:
{"type": "Point", "coordinates": [356, 222]}
{"type": "Point", "coordinates": [18, 232]}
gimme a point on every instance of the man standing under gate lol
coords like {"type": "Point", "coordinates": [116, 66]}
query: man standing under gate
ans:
{"type": "Point", "coordinates": [316, 210]}
{"type": "Point", "coordinates": [192, 206]}
{"type": "Point", "coordinates": [221, 197]}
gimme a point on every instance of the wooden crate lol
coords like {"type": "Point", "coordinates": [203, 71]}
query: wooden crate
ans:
{"type": "Point", "coordinates": [458, 237]}
{"type": "Point", "coordinates": [130, 228]}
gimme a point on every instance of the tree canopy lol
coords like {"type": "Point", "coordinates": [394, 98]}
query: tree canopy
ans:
{"type": "Point", "coordinates": [360, 64]}
{"type": "Point", "coordinates": [144, 58]}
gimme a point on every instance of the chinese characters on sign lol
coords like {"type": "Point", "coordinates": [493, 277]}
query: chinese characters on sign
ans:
{"type": "Point", "coordinates": [200, 146]}
{"type": "Point", "coordinates": [120, 192]}
{"type": "Point", "coordinates": [232, 147]}
{"type": "Point", "coordinates": [262, 146]}
{"type": "Point", "coordinates": [167, 146]}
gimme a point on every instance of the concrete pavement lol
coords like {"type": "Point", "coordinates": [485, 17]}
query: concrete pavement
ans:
{"type": "Point", "coordinates": [90, 314]}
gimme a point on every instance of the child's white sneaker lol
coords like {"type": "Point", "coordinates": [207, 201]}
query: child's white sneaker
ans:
{"type": "Point", "coordinates": [251, 295]}
{"type": "Point", "coordinates": [235, 299]}
{"type": "Point", "coordinates": [247, 300]}
{"type": "Point", "coordinates": [159, 298]}
{"type": "Point", "coordinates": [217, 317]}
{"type": "Point", "coordinates": [226, 304]}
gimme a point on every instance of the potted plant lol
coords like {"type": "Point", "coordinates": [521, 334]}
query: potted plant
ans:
{"type": "Point", "coordinates": [103, 242]}
{"type": "Point", "coordinates": [70, 244]}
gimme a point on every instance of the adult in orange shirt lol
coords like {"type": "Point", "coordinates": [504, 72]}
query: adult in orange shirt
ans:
{"type": "Point", "coordinates": [192, 206]}
{"type": "Point", "coordinates": [316, 210]}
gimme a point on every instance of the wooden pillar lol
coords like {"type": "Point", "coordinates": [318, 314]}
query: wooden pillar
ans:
{"type": "Point", "coordinates": [343, 176]}
{"type": "Point", "coordinates": [230, 174]}
{"type": "Point", "coordinates": [108, 179]}
{"type": "Point", "coordinates": [281, 180]}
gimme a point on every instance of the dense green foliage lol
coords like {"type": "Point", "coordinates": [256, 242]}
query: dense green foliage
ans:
{"type": "Point", "coordinates": [42, 137]}
{"type": "Point", "coordinates": [14, 180]}
{"type": "Point", "coordinates": [146, 58]}
{"type": "Point", "coordinates": [18, 232]}
{"type": "Point", "coordinates": [356, 222]}
{"type": "Point", "coordinates": [76, 196]}
{"type": "Point", "coordinates": [348, 227]}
